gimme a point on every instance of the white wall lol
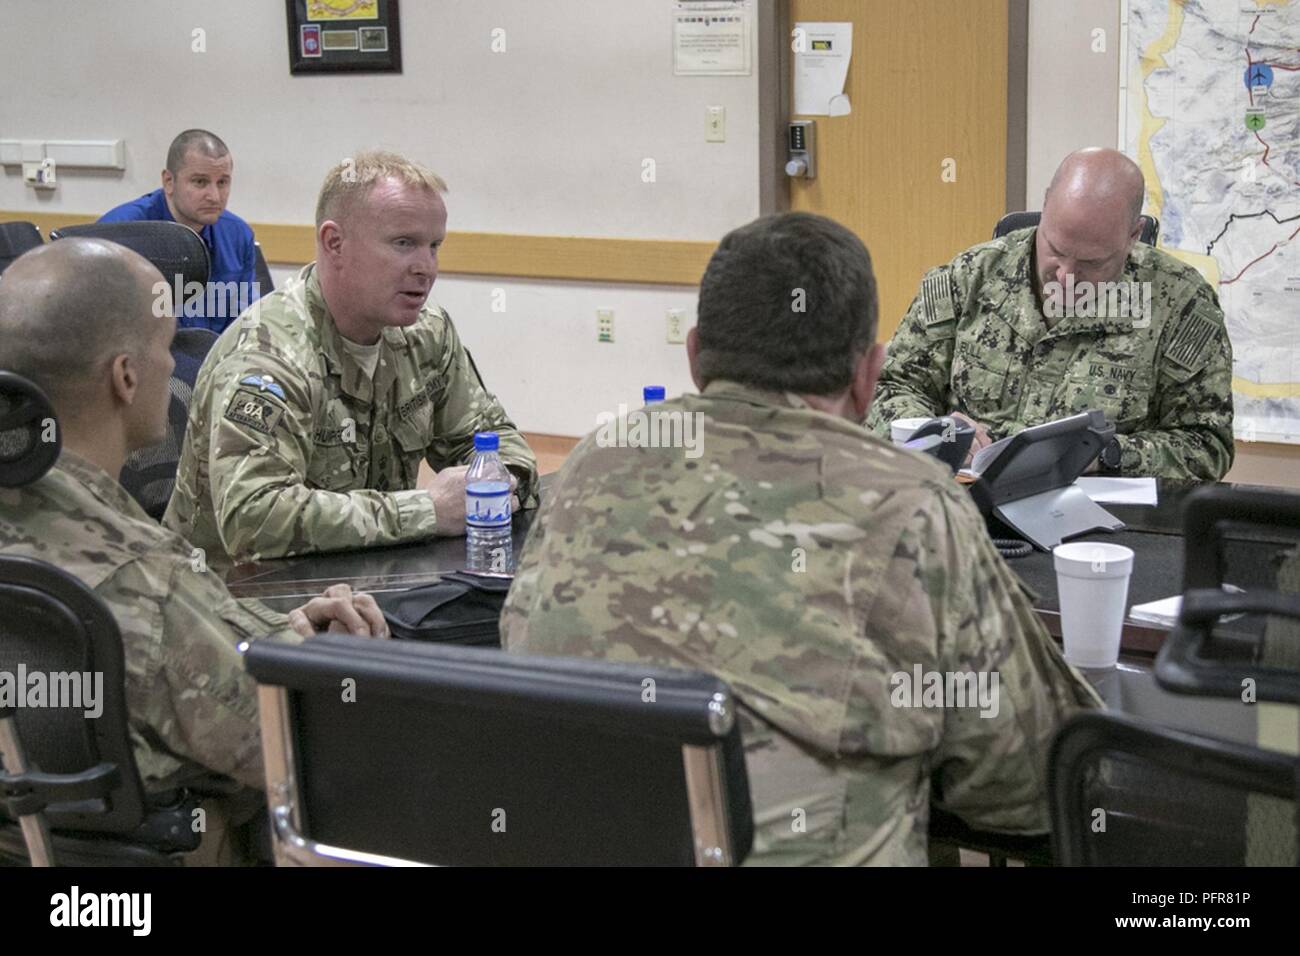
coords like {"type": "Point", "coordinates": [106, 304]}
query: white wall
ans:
{"type": "Point", "coordinates": [1072, 96]}
{"type": "Point", "coordinates": [547, 138]}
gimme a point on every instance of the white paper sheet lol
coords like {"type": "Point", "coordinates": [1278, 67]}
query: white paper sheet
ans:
{"type": "Point", "coordinates": [821, 65]}
{"type": "Point", "coordinates": [711, 38]}
{"type": "Point", "coordinates": [1119, 491]}
{"type": "Point", "coordinates": [1165, 611]}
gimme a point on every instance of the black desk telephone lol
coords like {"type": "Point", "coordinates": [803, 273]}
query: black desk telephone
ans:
{"type": "Point", "coordinates": [1026, 481]}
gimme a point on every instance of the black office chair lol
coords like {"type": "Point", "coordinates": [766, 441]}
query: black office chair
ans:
{"type": "Point", "coordinates": [15, 239]}
{"type": "Point", "coordinates": [30, 441]}
{"type": "Point", "coordinates": [176, 250]}
{"type": "Point", "coordinates": [149, 474]}
{"type": "Point", "coordinates": [61, 770]}
{"type": "Point", "coordinates": [391, 753]}
{"type": "Point", "coordinates": [265, 284]}
{"type": "Point", "coordinates": [949, 831]}
{"type": "Point", "coordinates": [181, 256]}
{"type": "Point", "coordinates": [1249, 538]}
{"type": "Point", "coordinates": [1128, 793]}
{"type": "Point", "coordinates": [1172, 798]}
{"type": "Point", "coordinates": [1023, 220]}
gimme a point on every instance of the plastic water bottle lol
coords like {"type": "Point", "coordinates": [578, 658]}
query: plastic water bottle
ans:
{"type": "Point", "coordinates": [487, 509]}
{"type": "Point", "coordinates": [652, 393]}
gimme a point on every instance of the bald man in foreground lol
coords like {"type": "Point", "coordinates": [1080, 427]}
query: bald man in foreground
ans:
{"type": "Point", "coordinates": [1071, 315]}
{"type": "Point", "coordinates": [80, 318]}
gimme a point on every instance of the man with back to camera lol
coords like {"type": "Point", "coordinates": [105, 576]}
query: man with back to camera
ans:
{"type": "Point", "coordinates": [78, 318]}
{"type": "Point", "coordinates": [1071, 315]}
{"type": "Point", "coordinates": [195, 190]}
{"type": "Point", "coordinates": [810, 565]}
{"type": "Point", "coordinates": [312, 413]}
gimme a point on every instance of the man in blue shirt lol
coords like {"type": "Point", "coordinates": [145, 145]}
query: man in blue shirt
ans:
{"type": "Point", "coordinates": [195, 189]}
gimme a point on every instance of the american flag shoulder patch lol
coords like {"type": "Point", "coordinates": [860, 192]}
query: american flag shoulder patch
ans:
{"type": "Point", "coordinates": [1195, 331]}
{"type": "Point", "coordinates": [936, 298]}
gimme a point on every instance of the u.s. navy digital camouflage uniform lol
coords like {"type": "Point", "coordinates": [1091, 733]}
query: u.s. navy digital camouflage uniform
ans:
{"type": "Point", "coordinates": [191, 706]}
{"type": "Point", "coordinates": [292, 447]}
{"type": "Point", "coordinates": [805, 561]}
{"type": "Point", "coordinates": [975, 341]}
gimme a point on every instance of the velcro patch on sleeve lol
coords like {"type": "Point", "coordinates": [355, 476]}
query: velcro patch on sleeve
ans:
{"type": "Point", "coordinates": [1195, 332]}
{"type": "Point", "coordinates": [936, 298]}
{"type": "Point", "coordinates": [257, 412]}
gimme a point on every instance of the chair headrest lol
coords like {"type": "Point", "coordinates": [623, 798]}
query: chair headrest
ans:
{"type": "Point", "coordinates": [17, 237]}
{"type": "Point", "coordinates": [30, 439]}
{"type": "Point", "coordinates": [176, 250]}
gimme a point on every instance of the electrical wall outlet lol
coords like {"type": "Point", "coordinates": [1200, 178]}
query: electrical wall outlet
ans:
{"type": "Point", "coordinates": [604, 325]}
{"type": "Point", "coordinates": [676, 326]}
{"type": "Point", "coordinates": [42, 175]}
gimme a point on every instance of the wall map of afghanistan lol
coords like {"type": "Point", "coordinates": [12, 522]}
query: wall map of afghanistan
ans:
{"type": "Point", "coordinates": [1210, 109]}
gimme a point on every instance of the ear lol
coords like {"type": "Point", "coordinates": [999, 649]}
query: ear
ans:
{"type": "Point", "coordinates": [866, 373]}
{"type": "Point", "coordinates": [1137, 234]}
{"type": "Point", "coordinates": [329, 238]}
{"type": "Point", "coordinates": [693, 357]}
{"type": "Point", "coordinates": [168, 181]}
{"type": "Point", "coordinates": [124, 379]}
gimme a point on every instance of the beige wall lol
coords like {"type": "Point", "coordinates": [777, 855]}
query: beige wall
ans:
{"type": "Point", "coordinates": [1073, 101]}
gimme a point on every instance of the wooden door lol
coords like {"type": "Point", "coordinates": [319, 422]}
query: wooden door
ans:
{"type": "Point", "coordinates": [927, 83]}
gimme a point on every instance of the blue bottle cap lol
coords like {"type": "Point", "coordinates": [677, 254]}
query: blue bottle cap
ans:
{"type": "Point", "coordinates": [486, 441]}
{"type": "Point", "coordinates": [652, 393]}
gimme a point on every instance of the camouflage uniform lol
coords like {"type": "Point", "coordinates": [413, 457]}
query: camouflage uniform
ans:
{"type": "Point", "coordinates": [291, 447]}
{"type": "Point", "coordinates": [975, 341]}
{"type": "Point", "coordinates": [191, 706]}
{"type": "Point", "coordinates": [806, 561]}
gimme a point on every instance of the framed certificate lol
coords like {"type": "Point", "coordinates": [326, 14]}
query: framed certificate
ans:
{"type": "Point", "coordinates": [344, 36]}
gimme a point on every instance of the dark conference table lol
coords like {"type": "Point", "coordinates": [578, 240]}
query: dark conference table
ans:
{"type": "Point", "coordinates": [1154, 532]}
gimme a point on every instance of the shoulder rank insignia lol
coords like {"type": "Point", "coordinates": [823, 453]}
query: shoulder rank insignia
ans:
{"type": "Point", "coordinates": [263, 383]}
{"type": "Point", "coordinates": [250, 409]}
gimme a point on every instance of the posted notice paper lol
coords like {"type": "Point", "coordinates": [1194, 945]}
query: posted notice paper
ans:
{"type": "Point", "coordinates": [711, 38]}
{"type": "Point", "coordinates": [821, 65]}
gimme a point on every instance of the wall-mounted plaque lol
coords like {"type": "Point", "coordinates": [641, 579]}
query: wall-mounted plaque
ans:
{"type": "Point", "coordinates": [344, 36]}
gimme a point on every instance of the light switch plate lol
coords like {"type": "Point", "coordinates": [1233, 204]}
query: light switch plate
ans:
{"type": "Point", "coordinates": [715, 125]}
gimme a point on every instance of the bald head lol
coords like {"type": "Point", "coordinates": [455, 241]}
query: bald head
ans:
{"type": "Point", "coordinates": [1105, 180]}
{"type": "Point", "coordinates": [1090, 219]}
{"type": "Point", "coordinates": [68, 307]}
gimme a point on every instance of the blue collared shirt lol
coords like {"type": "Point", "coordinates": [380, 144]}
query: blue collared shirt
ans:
{"type": "Point", "coordinates": [231, 259]}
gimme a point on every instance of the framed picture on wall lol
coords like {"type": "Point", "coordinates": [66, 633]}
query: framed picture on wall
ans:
{"type": "Point", "coordinates": [344, 36]}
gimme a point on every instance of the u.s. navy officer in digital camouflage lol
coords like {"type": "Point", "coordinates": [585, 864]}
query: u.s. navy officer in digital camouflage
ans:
{"type": "Point", "coordinates": [312, 413]}
{"type": "Point", "coordinates": [981, 339]}
{"type": "Point", "coordinates": [812, 566]}
{"type": "Point", "coordinates": [77, 318]}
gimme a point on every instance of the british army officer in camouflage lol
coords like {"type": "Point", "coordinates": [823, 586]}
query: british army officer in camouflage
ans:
{"type": "Point", "coordinates": [1072, 315]}
{"type": "Point", "coordinates": [78, 318]}
{"type": "Point", "coordinates": [313, 411]}
{"type": "Point", "coordinates": [827, 576]}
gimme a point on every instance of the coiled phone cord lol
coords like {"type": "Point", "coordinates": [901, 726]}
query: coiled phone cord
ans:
{"type": "Point", "coordinates": [1013, 547]}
